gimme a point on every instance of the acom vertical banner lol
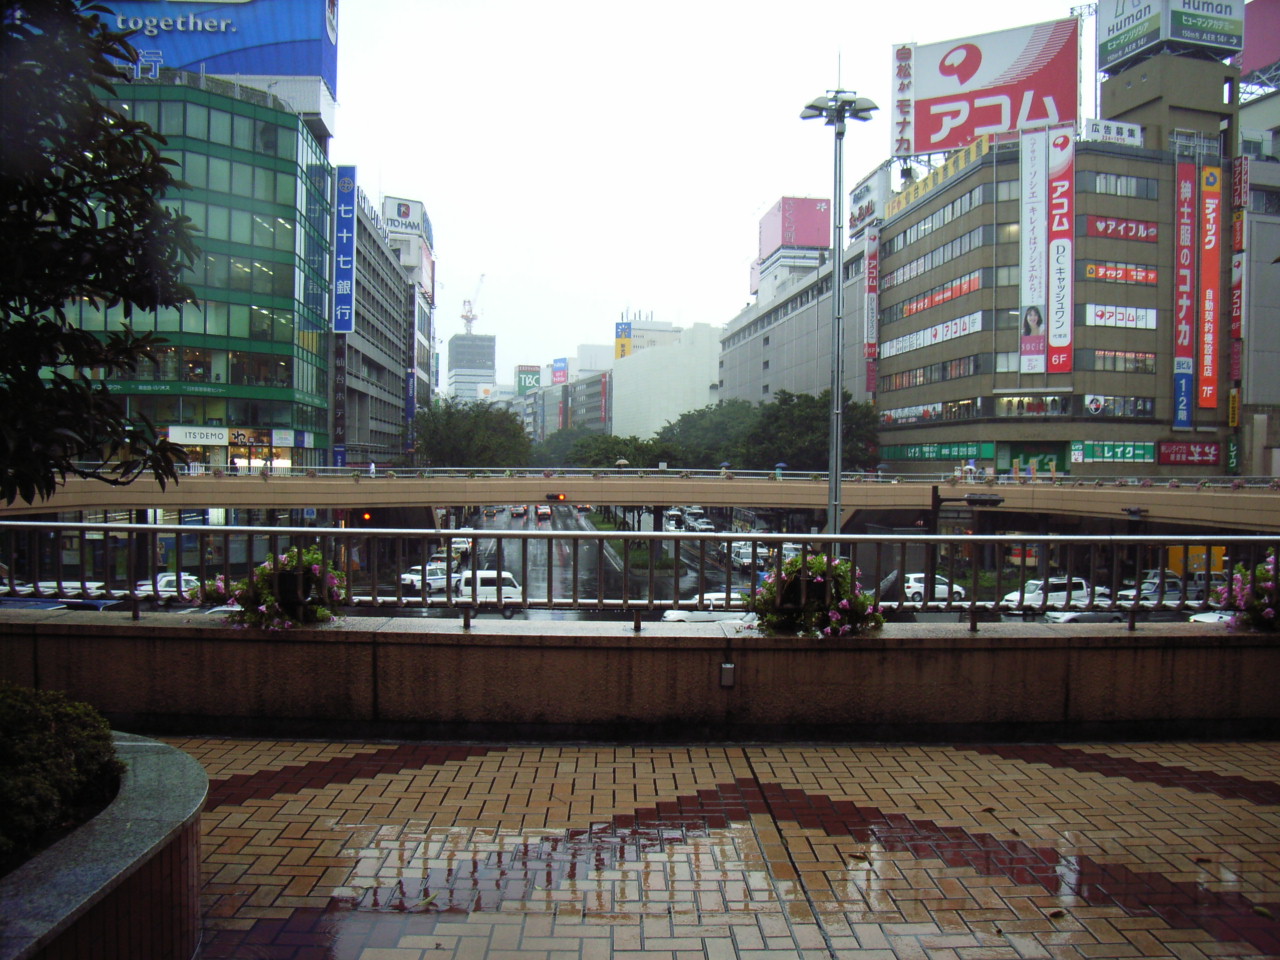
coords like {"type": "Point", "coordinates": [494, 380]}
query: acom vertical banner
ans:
{"type": "Point", "coordinates": [1061, 273]}
{"type": "Point", "coordinates": [871, 330]}
{"type": "Point", "coordinates": [1210, 284]}
{"type": "Point", "coordinates": [1184, 293]}
{"type": "Point", "coordinates": [1034, 250]}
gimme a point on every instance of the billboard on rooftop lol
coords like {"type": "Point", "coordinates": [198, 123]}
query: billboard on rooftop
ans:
{"type": "Point", "coordinates": [946, 95]}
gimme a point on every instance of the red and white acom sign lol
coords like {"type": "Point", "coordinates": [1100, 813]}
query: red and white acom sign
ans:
{"type": "Point", "coordinates": [948, 94]}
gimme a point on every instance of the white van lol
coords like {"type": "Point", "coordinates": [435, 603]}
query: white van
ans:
{"type": "Point", "coordinates": [483, 586]}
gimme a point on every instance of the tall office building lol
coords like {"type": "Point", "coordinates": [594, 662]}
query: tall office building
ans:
{"type": "Point", "coordinates": [244, 374]}
{"type": "Point", "coordinates": [472, 365]}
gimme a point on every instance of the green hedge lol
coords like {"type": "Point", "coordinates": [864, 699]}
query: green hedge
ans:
{"type": "Point", "coordinates": [57, 765]}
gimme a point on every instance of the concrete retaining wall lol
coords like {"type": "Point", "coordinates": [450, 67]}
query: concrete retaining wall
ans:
{"type": "Point", "coordinates": [544, 679]}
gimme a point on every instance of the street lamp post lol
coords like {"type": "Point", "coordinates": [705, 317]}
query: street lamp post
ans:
{"type": "Point", "coordinates": [835, 108]}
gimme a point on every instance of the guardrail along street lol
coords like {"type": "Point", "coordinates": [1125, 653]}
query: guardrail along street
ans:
{"type": "Point", "coordinates": [625, 574]}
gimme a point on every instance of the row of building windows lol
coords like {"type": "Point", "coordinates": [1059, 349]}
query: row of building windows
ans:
{"type": "Point", "coordinates": [938, 256]}
{"type": "Point", "coordinates": [217, 222]}
{"type": "Point", "coordinates": [244, 180]}
{"type": "Point", "coordinates": [176, 118]}
{"type": "Point", "coordinates": [228, 412]}
{"type": "Point", "coordinates": [922, 228]}
{"type": "Point", "coordinates": [242, 275]}
{"type": "Point", "coordinates": [1109, 361]}
{"type": "Point", "coordinates": [1088, 406]}
{"type": "Point", "coordinates": [802, 299]}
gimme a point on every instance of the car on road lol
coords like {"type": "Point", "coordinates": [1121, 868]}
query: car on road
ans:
{"type": "Point", "coordinates": [166, 585]}
{"type": "Point", "coordinates": [429, 579]}
{"type": "Point", "coordinates": [913, 588]}
{"type": "Point", "coordinates": [701, 525]}
{"type": "Point", "coordinates": [542, 511]}
{"type": "Point", "coordinates": [716, 607]}
{"type": "Point", "coordinates": [483, 587]}
{"type": "Point", "coordinates": [1108, 615]}
{"type": "Point", "coordinates": [520, 510]}
{"type": "Point", "coordinates": [743, 555]}
{"type": "Point", "coordinates": [1056, 591]}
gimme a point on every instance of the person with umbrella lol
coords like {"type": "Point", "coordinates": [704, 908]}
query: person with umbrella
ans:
{"type": "Point", "coordinates": [777, 470]}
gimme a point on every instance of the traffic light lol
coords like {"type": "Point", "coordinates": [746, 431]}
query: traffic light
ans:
{"type": "Point", "coordinates": [555, 496]}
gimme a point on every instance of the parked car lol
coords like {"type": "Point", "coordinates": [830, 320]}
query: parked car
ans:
{"type": "Point", "coordinates": [1152, 591]}
{"type": "Point", "coordinates": [15, 588]}
{"type": "Point", "coordinates": [1203, 585]}
{"type": "Point", "coordinates": [1145, 615]}
{"type": "Point", "coordinates": [434, 576]}
{"type": "Point", "coordinates": [1056, 591]}
{"type": "Point", "coordinates": [166, 585]}
{"type": "Point", "coordinates": [913, 588]}
{"type": "Point", "coordinates": [716, 608]}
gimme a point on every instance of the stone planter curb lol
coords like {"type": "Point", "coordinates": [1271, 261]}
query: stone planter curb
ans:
{"type": "Point", "coordinates": [161, 794]}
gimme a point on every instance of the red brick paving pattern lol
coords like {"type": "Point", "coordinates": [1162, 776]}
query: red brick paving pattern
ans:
{"type": "Point", "coordinates": [415, 851]}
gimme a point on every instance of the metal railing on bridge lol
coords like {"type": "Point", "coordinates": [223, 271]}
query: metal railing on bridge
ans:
{"type": "Point", "coordinates": [628, 574]}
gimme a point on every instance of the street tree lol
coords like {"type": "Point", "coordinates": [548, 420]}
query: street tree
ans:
{"type": "Point", "coordinates": [794, 428]}
{"type": "Point", "coordinates": [714, 434]}
{"type": "Point", "coordinates": [469, 433]}
{"type": "Point", "coordinates": [82, 220]}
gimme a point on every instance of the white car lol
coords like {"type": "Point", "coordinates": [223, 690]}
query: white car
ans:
{"type": "Point", "coordinates": [716, 610]}
{"type": "Point", "coordinates": [166, 585]}
{"type": "Point", "coordinates": [1056, 591]}
{"type": "Point", "coordinates": [72, 588]}
{"type": "Point", "coordinates": [1148, 591]}
{"type": "Point", "coordinates": [435, 578]}
{"type": "Point", "coordinates": [913, 588]}
{"type": "Point", "coordinates": [744, 554]}
{"type": "Point", "coordinates": [702, 525]}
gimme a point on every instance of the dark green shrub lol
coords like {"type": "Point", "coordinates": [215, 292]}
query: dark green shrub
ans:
{"type": "Point", "coordinates": [56, 762]}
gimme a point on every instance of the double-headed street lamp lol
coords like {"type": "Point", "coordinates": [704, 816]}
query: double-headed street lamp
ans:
{"type": "Point", "coordinates": [837, 107]}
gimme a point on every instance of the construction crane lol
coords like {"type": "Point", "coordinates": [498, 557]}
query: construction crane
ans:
{"type": "Point", "coordinates": [469, 315]}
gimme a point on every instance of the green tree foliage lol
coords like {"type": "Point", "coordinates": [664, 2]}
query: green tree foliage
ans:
{"type": "Point", "coordinates": [604, 451]}
{"type": "Point", "coordinates": [704, 439]}
{"type": "Point", "coordinates": [555, 451]}
{"type": "Point", "coordinates": [793, 429]}
{"type": "Point", "coordinates": [81, 219]}
{"type": "Point", "coordinates": [56, 755]}
{"type": "Point", "coordinates": [467, 433]}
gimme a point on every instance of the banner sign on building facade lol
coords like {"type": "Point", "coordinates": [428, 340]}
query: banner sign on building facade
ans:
{"type": "Point", "coordinates": [280, 38]}
{"type": "Point", "coordinates": [871, 333]}
{"type": "Point", "coordinates": [560, 370]}
{"type": "Point", "coordinates": [621, 339]}
{"type": "Point", "coordinates": [948, 94]}
{"type": "Point", "coordinates": [528, 379]}
{"type": "Point", "coordinates": [1034, 254]}
{"type": "Point", "coordinates": [1210, 284]}
{"type": "Point", "coordinates": [1062, 266]}
{"type": "Point", "coordinates": [1184, 292]}
{"type": "Point", "coordinates": [344, 252]}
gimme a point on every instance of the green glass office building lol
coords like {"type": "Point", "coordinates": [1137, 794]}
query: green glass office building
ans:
{"type": "Point", "coordinates": [242, 379]}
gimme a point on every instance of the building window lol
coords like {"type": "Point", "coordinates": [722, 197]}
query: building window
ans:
{"type": "Point", "coordinates": [765, 365]}
{"type": "Point", "coordinates": [764, 389]}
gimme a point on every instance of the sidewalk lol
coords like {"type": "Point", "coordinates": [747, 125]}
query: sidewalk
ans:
{"type": "Point", "coordinates": [386, 851]}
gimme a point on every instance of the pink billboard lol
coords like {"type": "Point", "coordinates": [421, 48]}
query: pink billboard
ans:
{"type": "Point", "coordinates": [948, 94]}
{"type": "Point", "coordinates": [795, 222]}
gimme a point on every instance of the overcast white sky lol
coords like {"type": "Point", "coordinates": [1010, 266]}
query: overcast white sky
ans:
{"type": "Point", "coordinates": [591, 159]}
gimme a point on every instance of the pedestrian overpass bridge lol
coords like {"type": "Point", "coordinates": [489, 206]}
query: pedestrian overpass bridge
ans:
{"type": "Point", "coordinates": [1252, 507]}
